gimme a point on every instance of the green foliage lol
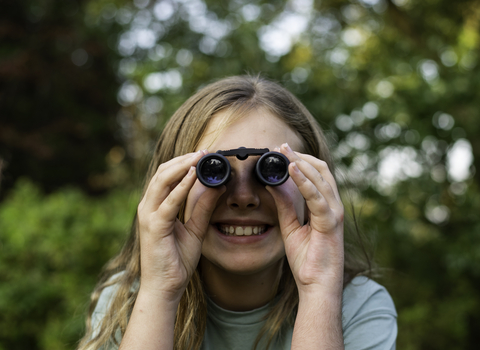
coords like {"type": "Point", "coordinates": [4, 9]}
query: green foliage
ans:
{"type": "Point", "coordinates": [433, 271]}
{"type": "Point", "coordinates": [52, 248]}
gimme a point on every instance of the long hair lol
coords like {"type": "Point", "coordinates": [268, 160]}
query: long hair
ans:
{"type": "Point", "coordinates": [182, 134]}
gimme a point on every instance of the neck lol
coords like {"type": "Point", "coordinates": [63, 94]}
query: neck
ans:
{"type": "Point", "coordinates": [239, 292]}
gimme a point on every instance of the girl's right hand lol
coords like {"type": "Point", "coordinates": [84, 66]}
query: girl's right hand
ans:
{"type": "Point", "coordinates": [170, 250]}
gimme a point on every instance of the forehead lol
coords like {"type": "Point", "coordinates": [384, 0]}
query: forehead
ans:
{"type": "Point", "coordinates": [257, 129]}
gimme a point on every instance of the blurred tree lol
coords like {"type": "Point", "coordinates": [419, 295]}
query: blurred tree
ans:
{"type": "Point", "coordinates": [57, 95]}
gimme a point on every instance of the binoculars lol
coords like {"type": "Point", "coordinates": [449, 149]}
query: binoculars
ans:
{"type": "Point", "coordinates": [271, 169]}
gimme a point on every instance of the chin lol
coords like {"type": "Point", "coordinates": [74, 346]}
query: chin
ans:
{"type": "Point", "coordinates": [244, 265]}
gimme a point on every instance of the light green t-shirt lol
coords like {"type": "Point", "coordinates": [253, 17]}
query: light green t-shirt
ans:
{"type": "Point", "coordinates": [369, 321]}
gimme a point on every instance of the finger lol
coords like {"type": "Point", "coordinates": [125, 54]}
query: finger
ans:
{"type": "Point", "coordinates": [314, 169]}
{"type": "Point", "coordinates": [316, 202]}
{"type": "Point", "coordinates": [202, 211]}
{"type": "Point", "coordinates": [160, 168]}
{"type": "Point", "coordinates": [322, 167]}
{"type": "Point", "coordinates": [169, 208]}
{"type": "Point", "coordinates": [312, 172]}
{"type": "Point", "coordinates": [167, 177]}
{"type": "Point", "coordinates": [287, 216]}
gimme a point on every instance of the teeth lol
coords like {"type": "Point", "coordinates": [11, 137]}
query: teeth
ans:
{"type": "Point", "coordinates": [242, 230]}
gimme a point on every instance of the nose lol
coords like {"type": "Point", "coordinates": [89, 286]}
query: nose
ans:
{"type": "Point", "coordinates": [243, 189]}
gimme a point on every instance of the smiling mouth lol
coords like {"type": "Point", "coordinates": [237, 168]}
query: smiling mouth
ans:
{"type": "Point", "coordinates": [231, 230]}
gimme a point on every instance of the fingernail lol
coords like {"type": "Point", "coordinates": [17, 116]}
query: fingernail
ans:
{"type": "Point", "coordinates": [287, 146]}
{"type": "Point", "coordinates": [191, 171]}
{"type": "Point", "coordinates": [295, 168]}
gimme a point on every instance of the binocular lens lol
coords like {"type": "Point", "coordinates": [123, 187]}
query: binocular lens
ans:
{"type": "Point", "coordinates": [272, 169]}
{"type": "Point", "coordinates": [213, 170]}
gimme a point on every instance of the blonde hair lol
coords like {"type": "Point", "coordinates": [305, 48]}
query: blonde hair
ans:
{"type": "Point", "coordinates": [182, 134]}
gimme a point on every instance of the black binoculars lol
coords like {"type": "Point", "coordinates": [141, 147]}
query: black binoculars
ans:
{"type": "Point", "coordinates": [271, 169]}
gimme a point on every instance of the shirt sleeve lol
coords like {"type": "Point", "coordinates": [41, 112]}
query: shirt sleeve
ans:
{"type": "Point", "coordinates": [103, 304]}
{"type": "Point", "coordinates": [369, 316]}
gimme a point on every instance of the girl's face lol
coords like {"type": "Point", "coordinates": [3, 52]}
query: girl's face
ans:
{"type": "Point", "coordinates": [246, 208]}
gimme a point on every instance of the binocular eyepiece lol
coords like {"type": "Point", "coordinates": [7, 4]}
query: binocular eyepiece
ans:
{"type": "Point", "coordinates": [271, 169]}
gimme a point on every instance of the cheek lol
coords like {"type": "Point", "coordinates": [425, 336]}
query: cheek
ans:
{"type": "Point", "coordinates": [197, 190]}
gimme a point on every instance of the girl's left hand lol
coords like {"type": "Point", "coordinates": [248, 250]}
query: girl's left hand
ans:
{"type": "Point", "coordinates": [315, 249]}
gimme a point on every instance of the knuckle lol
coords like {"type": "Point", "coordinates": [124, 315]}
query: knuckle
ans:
{"type": "Point", "coordinates": [319, 177]}
{"type": "Point", "coordinates": [323, 165]}
{"type": "Point", "coordinates": [160, 179]}
{"type": "Point", "coordinates": [313, 196]}
{"type": "Point", "coordinates": [161, 168]}
{"type": "Point", "coordinates": [186, 161]}
{"type": "Point", "coordinates": [303, 182]}
{"type": "Point", "coordinates": [170, 201]}
{"type": "Point", "coordinates": [340, 215]}
{"type": "Point", "coordinates": [141, 208]}
{"type": "Point", "coordinates": [143, 220]}
{"type": "Point", "coordinates": [323, 206]}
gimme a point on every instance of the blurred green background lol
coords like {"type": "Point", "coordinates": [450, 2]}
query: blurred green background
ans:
{"type": "Point", "coordinates": [87, 85]}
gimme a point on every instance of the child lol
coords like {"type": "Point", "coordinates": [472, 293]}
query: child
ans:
{"type": "Point", "coordinates": [242, 265]}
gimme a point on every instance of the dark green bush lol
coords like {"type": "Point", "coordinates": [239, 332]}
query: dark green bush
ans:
{"type": "Point", "coordinates": [52, 248]}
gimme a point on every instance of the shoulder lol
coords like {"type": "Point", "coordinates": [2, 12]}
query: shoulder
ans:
{"type": "Point", "coordinates": [104, 301]}
{"type": "Point", "coordinates": [363, 294]}
{"type": "Point", "coordinates": [368, 315]}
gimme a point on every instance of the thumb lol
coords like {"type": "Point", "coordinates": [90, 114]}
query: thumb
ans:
{"type": "Point", "coordinates": [202, 212]}
{"type": "Point", "coordinates": [287, 215]}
